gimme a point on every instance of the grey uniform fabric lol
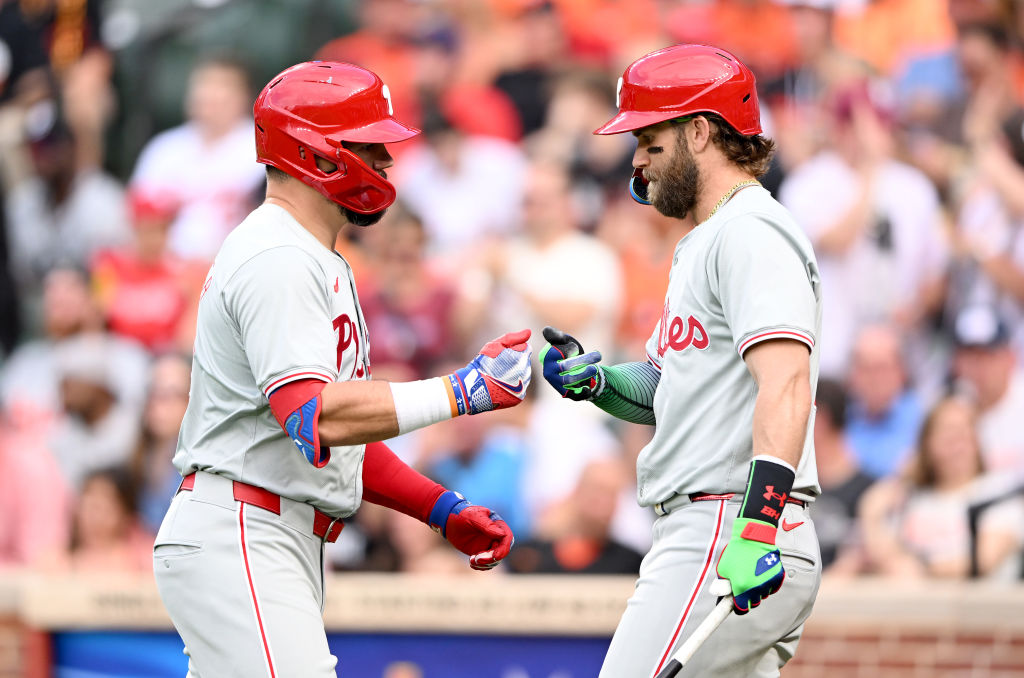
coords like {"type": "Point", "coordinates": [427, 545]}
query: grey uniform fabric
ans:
{"type": "Point", "coordinates": [672, 598]}
{"type": "Point", "coordinates": [243, 585]}
{"type": "Point", "coordinates": [746, 275]}
{"type": "Point", "coordinates": [277, 306]}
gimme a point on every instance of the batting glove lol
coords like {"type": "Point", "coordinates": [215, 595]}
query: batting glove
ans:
{"type": "Point", "coordinates": [497, 378]}
{"type": "Point", "coordinates": [574, 374]}
{"type": "Point", "coordinates": [751, 561]}
{"type": "Point", "coordinates": [477, 531]}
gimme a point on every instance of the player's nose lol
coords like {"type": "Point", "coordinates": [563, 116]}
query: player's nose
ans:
{"type": "Point", "coordinates": [641, 158]}
{"type": "Point", "coordinates": [382, 158]}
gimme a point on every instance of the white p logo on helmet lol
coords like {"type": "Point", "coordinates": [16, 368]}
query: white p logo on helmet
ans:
{"type": "Point", "coordinates": [387, 95]}
{"type": "Point", "coordinates": [618, 93]}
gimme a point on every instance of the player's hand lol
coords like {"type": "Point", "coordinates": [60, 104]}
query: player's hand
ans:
{"type": "Point", "coordinates": [477, 531]}
{"type": "Point", "coordinates": [753, 568]}
{"type": "Point", "coordinates": [497, 378]}
{"type": "Point", "coordinates": [573, 373]}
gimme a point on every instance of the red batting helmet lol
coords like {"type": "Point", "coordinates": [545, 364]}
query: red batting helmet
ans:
{"type": "Point", "coordinates": [677, 81]}
{"type": "Point", "coordinates": [308, 110]}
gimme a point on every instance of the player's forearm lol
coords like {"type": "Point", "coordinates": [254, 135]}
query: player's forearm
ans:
{"type": "Point", "coordinates": [628, 392]}
{"type": "Point", "coordinates": [356, 412]}
{"type": "Point", "coordinates": [780, 416]}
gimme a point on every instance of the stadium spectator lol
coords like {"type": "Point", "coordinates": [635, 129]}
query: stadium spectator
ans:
{"type": "Point", "coordinates": [60, 213]}
{"type": "Point", "coordinates": [464, 187]}
{"type": "Point", "coordinates": [575, 536]}
{"type": "Point", "coordinates": [580, 101]}
{"type": "Point", "coordinates": [884, 413]}
{"type": "Point", "coordinates": [821, 67]}
{"type": "Point", "coordinates": [876, 228]}
{"type": "Point", "coordinates": [384, 41]}
{"type": "Point", "coordinates": [889, 33]}
{"type": "Point", "coordinates": [155, 478]}
{"type": "Point", "coordinates": [988, 370]}
{"type": "Point", "coordinates": [29, 380]}
{"type": "Point", "coordinates": [485, 461]}
{"type": "Point", "coordinates": [842, 482]}
{"type": "Point", "coordinates": [145, 293]}
{"type": "Point", "coordinates": [94, 429]}
{"type": "Point", "coordinates": [917, 526]}
{"type": "Point", "coordinates": [529, 280]}
{"type": "Point", "coordinates": [407, 302]}
{"type": "Point", "coordinates": [768, 51]}
{"type": "Point", "coordinates": [34, 500]}
{"type": "Point", "coordinates": [82, 67]}
{"type": "Point", "coordinates": [421, 551]}
{"type": "Point", "coordinates": [106, 536]}
{"type": "Point", "coordinates": [207, 165]}
{"type": "Point", "coordinates": [533, 46]}
{"type": "Point", "coordinates": [644, 241]}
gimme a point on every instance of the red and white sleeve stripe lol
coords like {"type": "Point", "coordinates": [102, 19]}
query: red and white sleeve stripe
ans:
{"type": "Point", "coordinates": [786, 333]}
{"type": "Point", "coordinates": [304, 373]}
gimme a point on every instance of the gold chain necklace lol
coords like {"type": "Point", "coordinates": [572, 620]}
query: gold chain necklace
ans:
{"type": "Point", "coordinates": [730, 193]}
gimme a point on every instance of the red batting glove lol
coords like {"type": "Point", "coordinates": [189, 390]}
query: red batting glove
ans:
{"type": "Point", "coordinates": [477, 531]}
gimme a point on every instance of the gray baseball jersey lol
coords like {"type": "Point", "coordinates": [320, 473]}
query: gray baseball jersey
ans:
{"type": "Point", "coordinates": [277, 306]}
{"type": "Point", "coordinates": [746, 275]}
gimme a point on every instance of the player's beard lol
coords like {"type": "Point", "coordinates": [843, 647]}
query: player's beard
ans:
{"type": "Point", "coordinates": [359, 219]}
{"type": "Point", "coordinates": [675, 191]}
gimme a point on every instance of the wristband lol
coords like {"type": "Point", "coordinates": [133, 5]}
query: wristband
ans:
{"type": "Point", "coordinates": [438, 520]}
{"type": "Point", "coordinates": [420, 403]}
{"type": "Point", "coordinates": [768, 487]}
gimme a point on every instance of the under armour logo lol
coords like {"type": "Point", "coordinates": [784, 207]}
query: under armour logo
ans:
{"type": "Point", "coordinates": [771, 559]}
{"type": "Point", "coordinates": [771, 494]}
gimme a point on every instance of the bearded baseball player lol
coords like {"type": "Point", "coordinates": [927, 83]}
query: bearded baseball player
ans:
{"type": "Point", "coordinates": [278, 444]}
{"type": "Point", "coordinates": [728, 382]}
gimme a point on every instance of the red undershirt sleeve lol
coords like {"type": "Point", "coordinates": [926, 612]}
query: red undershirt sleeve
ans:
{"type": "Point", "coordinates": [390, 482]}
{"type": "Point", "coordinates": [292, 396]}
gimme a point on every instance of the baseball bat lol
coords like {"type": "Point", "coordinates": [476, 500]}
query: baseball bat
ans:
{"type": "Point", "coordinates": [701, 633]}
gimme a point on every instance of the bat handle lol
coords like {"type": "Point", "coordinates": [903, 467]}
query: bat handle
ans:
{"type": "Point", "coordinates": [670, 670]}
{"type": "Point", "coordinates": [697, 638]}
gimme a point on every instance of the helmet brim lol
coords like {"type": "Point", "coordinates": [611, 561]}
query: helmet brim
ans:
{"type": "Point", "coordinates": [386, 131]}
{"type": "Point", "coordinates": [627, 121]}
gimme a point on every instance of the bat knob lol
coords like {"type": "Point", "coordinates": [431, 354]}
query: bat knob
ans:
{"type": "Point", "coordinates": [720, 587]}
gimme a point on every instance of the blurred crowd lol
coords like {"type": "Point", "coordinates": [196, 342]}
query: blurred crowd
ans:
{"type": "Point", "coordinates": [127, 155]}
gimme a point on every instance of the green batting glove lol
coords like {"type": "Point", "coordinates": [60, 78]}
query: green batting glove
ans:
{"type": "Point", "coordinates": [574, 374]}
{"type": "Point", "coordinates": [751, 561]}
{"type": "Point", "coordinates": [753, 567]}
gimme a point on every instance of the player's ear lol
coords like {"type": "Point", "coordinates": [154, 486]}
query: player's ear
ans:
{"type": "Point", "coordinates": [699, 133]}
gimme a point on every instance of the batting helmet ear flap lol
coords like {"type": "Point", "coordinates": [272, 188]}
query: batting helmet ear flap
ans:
{"type": "Point", "coordinates": [638, 187]}
{"type": "Point", "coordinates": [356, 185]}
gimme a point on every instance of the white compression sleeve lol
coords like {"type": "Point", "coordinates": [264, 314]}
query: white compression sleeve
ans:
{"type": "Point", "coordinates": [421, 403]}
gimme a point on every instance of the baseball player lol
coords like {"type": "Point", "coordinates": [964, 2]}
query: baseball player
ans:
{"type": "Point", "coordinates": [728, 382]}
{"type": "Point", "coordinates": [278, 444]}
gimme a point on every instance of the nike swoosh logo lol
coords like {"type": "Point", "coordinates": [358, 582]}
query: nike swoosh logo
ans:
{"type": "Point", "coordinates": [515, 390]}
{"type": "Point", "coordinates": [790, 526]}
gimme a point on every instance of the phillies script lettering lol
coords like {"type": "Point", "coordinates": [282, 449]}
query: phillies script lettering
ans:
{"type": "Point", "coordinates": [348, 335]}
{"type": "Point", "coordinates": [671, 335]}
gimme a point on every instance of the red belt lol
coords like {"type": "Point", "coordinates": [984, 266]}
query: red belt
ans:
{"type": "Point", "coordinates": [704, 496]}
{"type": "Point", "coordinates": [324, 526]}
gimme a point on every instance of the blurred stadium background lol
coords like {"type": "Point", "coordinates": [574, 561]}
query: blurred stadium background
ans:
{"type": "Point", "coordinates": [126, 155]}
